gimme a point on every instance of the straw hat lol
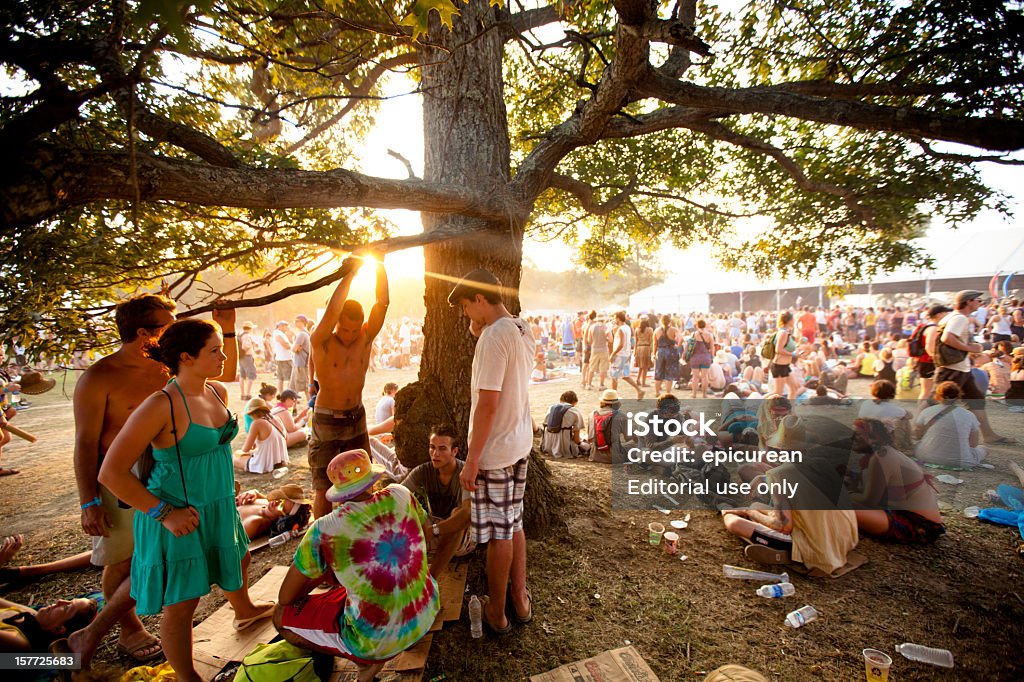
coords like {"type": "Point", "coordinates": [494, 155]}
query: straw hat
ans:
{"type": "Point", "coordinates": [257, 404]}
{"type": "Point", "coordinates": [610, 396]}
{"type": "Point", "coordinates": [734, 673]}
{"type": "Point", "coordinates": [1019, 350]}
{"type": "Point", "coordinates": [791, 434]}
{"type": "Point", "coordinates": [290, 491]}
{"type": "Point", "coordinates": [33, 383]}
{"type": "Point", "coordinates": [352, 474]}
{"type": "Point", "coordinates": [248, 325]}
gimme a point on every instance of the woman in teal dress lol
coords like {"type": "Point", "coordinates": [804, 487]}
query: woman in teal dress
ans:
{"type": "Point", "coordinates": [188, 535]}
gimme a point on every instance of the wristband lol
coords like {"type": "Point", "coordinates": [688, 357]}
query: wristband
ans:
{"type": "Point", "coordinates": [154, 512]}
{"type": "Point", "coordinates": [164, 513]}
{"type": "Point", "coordinates": [94, 502]}
{"type": "Point", "coordinates": [228, 335]}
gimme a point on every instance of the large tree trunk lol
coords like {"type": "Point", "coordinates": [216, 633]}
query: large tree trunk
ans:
{"type": "Point", "coordinates": [466, 144]}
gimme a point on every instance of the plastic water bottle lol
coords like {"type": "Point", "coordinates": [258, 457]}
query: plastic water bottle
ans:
{"type": "Point", "coordinates": [476, 616]}
{"type": "Point", "coordinates": [284, 537]}
{"type": "Point", "coordinates": [802, 616]}
{"type": "Point", "coordinates": [776, 591]}
{"type": "Point", "coordinates": [926, 654]}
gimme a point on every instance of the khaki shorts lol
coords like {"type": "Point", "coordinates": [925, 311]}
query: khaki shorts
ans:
{"type": "Point", "coordinates": [334, 432]}
{"type": "Point", "coordinates": [107, 551]}
{"type": "Point", "coordinates": [599, 363]}
{"type": "Point", "coordinates": [300, 379]}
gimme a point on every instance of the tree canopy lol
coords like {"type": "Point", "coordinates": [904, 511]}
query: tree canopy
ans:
{"type": "Point", "coordinates": [149, 141]}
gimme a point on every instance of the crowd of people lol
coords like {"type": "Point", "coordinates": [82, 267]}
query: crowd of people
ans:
{"type": "Point", "coordinates": [786, 385]}
{"type": "Point", "coordinates": [156, 472]}
{"type": "Point", "coordinates": [706, 352]}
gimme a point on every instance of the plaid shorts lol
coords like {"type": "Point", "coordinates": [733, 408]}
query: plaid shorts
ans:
{"type": "Point", "coordinates": [497, 508]}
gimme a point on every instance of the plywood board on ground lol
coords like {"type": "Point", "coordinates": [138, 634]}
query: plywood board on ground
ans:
{"type": "Point", "coordinates": [216, 640]}
{"type": "Point", "coordinates": [616, 665]}
{"type": "Point", "coordinates": [411, 660]}
{"type": "Point", "coordinates": [453, 586]}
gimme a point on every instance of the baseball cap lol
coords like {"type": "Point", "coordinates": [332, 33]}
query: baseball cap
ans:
{"type": "Point", "coordinates": [967, 295]}
{"type": "Point", "coordinates": [476, 282]}
{"type": "Point", "coordinates": [938, 309]}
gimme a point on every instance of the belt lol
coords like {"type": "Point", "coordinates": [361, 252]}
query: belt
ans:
{"type": "Point", "coordinates": [328, 412]}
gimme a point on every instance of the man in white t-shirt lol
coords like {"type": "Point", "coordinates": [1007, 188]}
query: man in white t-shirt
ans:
{"type": "Point", "coordinates": [955, 332]}
{"type": "Point", "coordinates": [622, 355]}
{"type": "Point", "coordinates": [500, 440]}
{"type": "Point", "coordinates": [282, 345]}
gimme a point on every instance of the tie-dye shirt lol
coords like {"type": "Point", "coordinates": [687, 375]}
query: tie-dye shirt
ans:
{"type": "Point", "coordinates": [378, 552]}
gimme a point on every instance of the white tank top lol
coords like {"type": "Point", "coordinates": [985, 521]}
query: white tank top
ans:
{"type": "Point", "coordinates": [270, 451]}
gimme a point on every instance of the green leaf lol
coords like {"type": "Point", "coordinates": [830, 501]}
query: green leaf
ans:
{"type": "Point", "coordinates": [419, 16]}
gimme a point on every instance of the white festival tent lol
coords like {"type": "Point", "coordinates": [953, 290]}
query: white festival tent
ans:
{"type": "Point", "coordinates": [961, 260]}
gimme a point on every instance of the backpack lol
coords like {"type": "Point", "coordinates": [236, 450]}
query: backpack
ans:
{"type": "Point", "coordinates": [915, 346]}
{"type": "Point", "coordinates": [945, 354]}
{"type": "Point", "coordinates": [245, 346]}
{"type": "Point", "coordinates": [691, 346]}
{"type": "Point", "coordinates": [603, 431]}
{"type": "Point", "coordinates": [553, 422]}
{"type": "Point", "coordinates": [768, 347]}
{"type": "Point", "coordinates": [297, 520]}
{"type": "Point", "coordinates": [277, 662]}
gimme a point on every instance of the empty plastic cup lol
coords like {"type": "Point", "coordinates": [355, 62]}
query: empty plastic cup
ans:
{"type": "Point", "coordinates": [654, 532]}
{"type": "Point", "coordinates": [671, 542]}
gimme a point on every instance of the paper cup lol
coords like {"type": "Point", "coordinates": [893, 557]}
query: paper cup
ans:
{"type": "Point", "coordinates": [671, 542]}
{"type": "Point", "coordinates": [876, 665]}
{"type": "Point", "coordinates": [654, 532]}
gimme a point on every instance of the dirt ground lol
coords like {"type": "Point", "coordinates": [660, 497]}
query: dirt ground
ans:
{"type": "Point", "coordinates": [599, 585]}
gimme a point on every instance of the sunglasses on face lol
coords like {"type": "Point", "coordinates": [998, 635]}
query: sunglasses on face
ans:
{"type": "Point", "coordinates": [228, 431]}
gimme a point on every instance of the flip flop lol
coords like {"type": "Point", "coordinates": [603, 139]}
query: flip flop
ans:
{"type": "Point", "coordinates": [243, 623]}
{"type": "Point", "coordinates": [511, 610]}
{"type": "Point", "coordinates": [9, 472]}
{"type": "Point", "coordinates": [523, 620]}
{"type": "Point", "coordinates": [1002, 440]}
{"type": "Point", "coordinates": [497, 632]}
{"type": "Point", "coordinates": [146, 643]}
{"type": "Point", "coordinates": [766, 555]}
{"type": "Point", "coordinates": [61, 646]}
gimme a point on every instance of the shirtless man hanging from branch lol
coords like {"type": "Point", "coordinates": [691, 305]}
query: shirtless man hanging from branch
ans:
{"type": "Point", "coordinates": [341, 354]}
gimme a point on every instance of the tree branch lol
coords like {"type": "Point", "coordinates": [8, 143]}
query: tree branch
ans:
{"type": "Point", "coordinates": [849, 197]}
{"type": "Point", "coordinates": [986, 133]}
{"type": "Point", "coordinates": [965, 158]}
{"type": "Point", "coordinates": [363, 89]}
{"type": "Point", "coordinates": [405, 162]}
{"type": "Point", "coordinates": [382, 246]}
{"type": "Point", "coordinates": [44, 180]}
{"type": "Point", "coordinates": [527, 20]}
{"type": "Point", "coordinates": [585, 194]}
{"type": "Point", "coordinates": [674, 32]}
{"type": "Point", "coordinates": [614, 91]}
